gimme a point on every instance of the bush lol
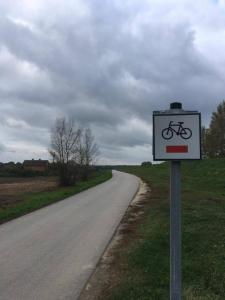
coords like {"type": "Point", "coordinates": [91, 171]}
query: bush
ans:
{"type": "Point", "coordinates": [146, 164]}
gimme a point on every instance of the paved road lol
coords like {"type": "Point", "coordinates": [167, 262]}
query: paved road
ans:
{"type": "Point", "coordinates": [49, 254]}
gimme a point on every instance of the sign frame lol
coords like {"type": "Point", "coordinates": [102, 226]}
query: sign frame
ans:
{"type": "Point", "coordinates": [180, 113]}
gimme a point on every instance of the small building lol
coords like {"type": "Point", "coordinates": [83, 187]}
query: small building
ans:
{"type": "Point", "coordinates": [36, 165]}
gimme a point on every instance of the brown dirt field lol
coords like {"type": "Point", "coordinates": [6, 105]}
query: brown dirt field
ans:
{"type": "Point", "coordinates": [13, 190]}
{"type": "Point", "coordinates": [107, 273]}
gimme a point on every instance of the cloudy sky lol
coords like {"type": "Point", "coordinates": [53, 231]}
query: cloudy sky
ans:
{"type": "Point", "coordinates": [108, 64]}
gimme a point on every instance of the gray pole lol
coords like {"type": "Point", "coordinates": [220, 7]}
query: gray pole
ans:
{"type": "Point", "coordinates": [175, 231]}
{"type": "Point", "coordinates": [175, 225]}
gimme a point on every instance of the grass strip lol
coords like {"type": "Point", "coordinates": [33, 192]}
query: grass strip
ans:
{"type": "Point", "coordinates": [144, 265]}
{"type": "Point", "coordinates": [38, 200]}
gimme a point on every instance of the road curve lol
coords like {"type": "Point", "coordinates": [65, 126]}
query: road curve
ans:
{"type": "Point", "coordinates": [49, 254]}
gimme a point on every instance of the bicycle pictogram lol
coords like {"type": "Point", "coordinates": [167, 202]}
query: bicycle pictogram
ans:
{"type": "Point", "coordinates": [178, 129]}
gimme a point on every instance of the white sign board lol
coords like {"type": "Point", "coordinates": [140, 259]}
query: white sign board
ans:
{"type": "Point", "coordinates": [176, 136]}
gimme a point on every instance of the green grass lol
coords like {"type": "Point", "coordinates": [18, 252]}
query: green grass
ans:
{"type": "Point", "coordinates": [38, 200]}
{"type": "Point", "coordinates": [144, 265]}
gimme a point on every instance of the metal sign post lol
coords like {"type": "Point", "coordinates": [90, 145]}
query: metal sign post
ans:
{"type": "Point", "coordinates": [176, 137]}
{"type": "Point", "coordinates": [175, 230]}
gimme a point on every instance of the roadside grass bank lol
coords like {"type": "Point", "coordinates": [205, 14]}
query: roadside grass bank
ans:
{"type": "Point", "coordinates": [143, 264]}
{"type": "Point", "coordinates": [34, 201]}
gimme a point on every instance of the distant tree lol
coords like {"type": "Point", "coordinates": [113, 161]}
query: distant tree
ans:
{"type": "Point", "coordinates": [204, 142]}
{"type": "Point", "coordinates": [215, 136]}
{"type": "Point", "coordinates": [53, 155]}
{"type": "Point", "coordinates": [88, 151]}
{"type": "Point", "coordinates": [19, 165]}
{"type": "Point", "coordinates": [65, 137]}
{"type": "Point", "coordinates": [146, 164]}
{"type": "Point", "coordinates": [73, 150]}
{"type": "Point", "coordinates": [91, 149]}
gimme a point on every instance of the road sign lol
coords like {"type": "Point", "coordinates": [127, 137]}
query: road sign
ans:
{"type": "Point", "coordinates": [176, 136]}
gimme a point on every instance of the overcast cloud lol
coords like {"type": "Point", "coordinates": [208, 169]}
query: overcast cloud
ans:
{"type": "Point", "coordinates": [108, 64]}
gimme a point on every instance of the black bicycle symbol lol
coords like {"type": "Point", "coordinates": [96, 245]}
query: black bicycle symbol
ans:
{"type": "Point", "coordinates": [185, 133]}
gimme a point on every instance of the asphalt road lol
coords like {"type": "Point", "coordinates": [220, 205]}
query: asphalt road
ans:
{"type": "Point", "coordinates": [49, 254]}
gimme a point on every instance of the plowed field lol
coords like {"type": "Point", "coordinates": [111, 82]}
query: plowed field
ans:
{"type": "Point", "coordinates": [13, 190]}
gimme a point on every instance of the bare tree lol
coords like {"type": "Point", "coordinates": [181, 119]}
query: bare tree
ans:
{"type": "Point", "coordinates": [65, 137]}
{"type": "Point", "coordinates": [90, 148]}
{"type": "Point", "coordinates": [73, 150]}
{"type": "Point", "coordinates": [88, 152]}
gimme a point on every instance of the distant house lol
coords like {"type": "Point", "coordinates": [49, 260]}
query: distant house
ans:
{"type": "Point", "coordinates": [36, 165]}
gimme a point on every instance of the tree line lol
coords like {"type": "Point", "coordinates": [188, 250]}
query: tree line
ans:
{"type": "Point", "coordinates": [73, 149]}
{"type": "Point", "coordinates": [213, 138]}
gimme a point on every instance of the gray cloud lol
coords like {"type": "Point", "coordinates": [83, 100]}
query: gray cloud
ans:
{"type": "Point", "coordinates": [2, 147]}
{"type": "Point", "coordinates": [106, 64]}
